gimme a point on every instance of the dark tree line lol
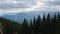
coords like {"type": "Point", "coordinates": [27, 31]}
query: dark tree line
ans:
{"type": "Point", "coordinates": [10, 27]}
{"type": "Point", "coordinates": [45, 25]}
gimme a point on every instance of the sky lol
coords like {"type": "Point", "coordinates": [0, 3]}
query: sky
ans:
{"type": "Point", "coordinates": [16, 6]}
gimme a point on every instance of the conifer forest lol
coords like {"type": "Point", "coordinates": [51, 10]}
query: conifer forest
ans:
{"type": "Point", "coordinates": [44, 25]}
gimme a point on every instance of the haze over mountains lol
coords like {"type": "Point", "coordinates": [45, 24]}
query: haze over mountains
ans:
{"type": "Point", "coordinates": [19, 17]}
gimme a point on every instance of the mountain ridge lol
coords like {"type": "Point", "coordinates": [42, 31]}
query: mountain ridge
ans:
{"type": "Point", "coordinates": [29, 15]}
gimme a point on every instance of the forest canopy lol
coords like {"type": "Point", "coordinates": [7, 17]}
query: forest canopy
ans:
{"type": "Point", "coordinates": [37, 26]}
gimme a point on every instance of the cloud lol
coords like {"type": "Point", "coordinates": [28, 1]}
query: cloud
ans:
{"type": "Point", "coordinates": [14, 6]}
{"type": "Point", "coordinates": [53, 2]}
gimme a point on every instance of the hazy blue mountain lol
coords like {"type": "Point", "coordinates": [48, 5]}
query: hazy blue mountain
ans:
{"type": "Point", "coordinates": [28, 15]}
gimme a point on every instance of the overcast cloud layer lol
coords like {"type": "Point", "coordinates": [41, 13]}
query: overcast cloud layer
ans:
{"type": "Point", "coordinates": [13, 6]}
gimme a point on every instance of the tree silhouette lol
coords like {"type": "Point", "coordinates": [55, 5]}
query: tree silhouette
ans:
{"type": "Point", "coordinates": [25, 27]}
{"type": "Point", "coordinates": [58, 24]}
{"type": "Point", "coordinates": [9, 27]}
{"type": "Point", "coordinates": [34, 26]}
{"type": "Point", "coordinates": [54, 24]}
{"type": "Point", "coordinates": [38, 23]}
{"type": "Point", "coordinates": [48, 24]}
{"type": "Point", "coordinates": [45, 25]}
{"type": "Point", "coordinates": [31, 27]}
{"type": "Point", "coordinates": [44, 20]}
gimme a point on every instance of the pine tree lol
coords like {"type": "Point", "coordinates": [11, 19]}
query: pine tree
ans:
{"type": "Point", "coordinates": [44, 20]}
{"type": "Point", "coordinates": [58, 18]}
{"type": "Point", "coordinates": [38, 23]}
{"type": "Point", "coordinates": [48, 24]}
{"type": "Point", "coordinates": [48, 18]}
{"type": "Point", "coordinates": [34, 26]}
{"type": "Point", "coordinates": [34, 22]}
{"type": "Point", "coordinates": [25, 27]}
{"type": "Point", "coordinates": [31, 24]}
{"type": "Point", "coordinates": [54, 24]}
{"type": "Point", "coordinates": [58, 24]}
{"type": "Point", "coordinates": [43, 25]}
{"type": "Point", "coordinates": [31, 30]}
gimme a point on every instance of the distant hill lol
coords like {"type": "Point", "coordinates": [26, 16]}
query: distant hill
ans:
{"type": "Point", "coordinates": [28, 15]}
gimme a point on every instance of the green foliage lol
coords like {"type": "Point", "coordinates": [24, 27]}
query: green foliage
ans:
{"type": "Point", "coordinates": [25, 27]}
{"type": "Point", "coordinates": [37, 26]}
{"type": "Point", "coordinates": [9, 27]}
